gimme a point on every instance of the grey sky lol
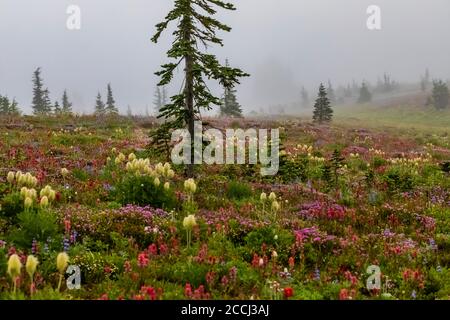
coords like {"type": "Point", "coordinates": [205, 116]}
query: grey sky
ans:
{"type": "Point", "coordinates": [283, 43]}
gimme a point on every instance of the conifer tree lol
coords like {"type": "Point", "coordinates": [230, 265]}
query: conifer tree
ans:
{"type": "Point", "coordinates": [388, 83]}
{"type": "Point", "coordinates": [41, 101]}
{"type": "Point", "coordinates": [364, 94]}
{"type": "Point", "coordinates": [56, 108]}
{"type": "Point", "coordinates": [110, 102]}
{"type": "Point", "coordinates": [229, 106]}
{"type": "Point", "coordinates": [196, 28]}
{"type": "Point", "coordinates": [440, 96]}
{"type": "Point", "coordinates": [14, 108]}
{"type": "Point", "coordinates": [326, 175]}
{"type": "Point", "coordinates": [158, 100]}
{"type": "Point", "coordinates": [330, 93]}
{"type": "Point", "coordinates": [335, 164]}
{"type": "Point", "coordinates": [355, 88]}
{"type": "Point", "coordinates": [99, 105]}
{"type": "Point", "coordinates": [425, 80]}
{"type": "Point", "coordinates": [8, 107]}
{"type": "Point", "coordinates": [4, 105]}
{"type": "Point", "coordinates": [305, 97]}
{"type": "Point", "coordinates": [348, 91]}
{"type": "Point", "coordinates": [164, 96]}
{"type": "Point", "coordinates": [129, 112]}
{"type": "Point", "coordinates": [47, 102]}
{"type": "Point", "coordinates": [66, 105]}
{"type": "Point", "coordinates": [322, 108]}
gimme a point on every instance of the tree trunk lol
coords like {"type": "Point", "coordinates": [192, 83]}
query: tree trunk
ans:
{"type": "Point", "coordinates": [189, 92]}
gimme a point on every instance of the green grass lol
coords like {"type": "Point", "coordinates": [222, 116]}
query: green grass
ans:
{"type": "Point", "coordinates": [402, 117]}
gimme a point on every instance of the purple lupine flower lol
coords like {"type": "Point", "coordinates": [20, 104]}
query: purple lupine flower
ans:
{"type": "Point", "coordinates": [285, 274]}
{"type": "Point", "coordinates": [66, 244]}
{"type": "Point", "coordinates": [433, 244]}
{"type": "Point", "coordinates": [73, 237]}
{"type": "Point", "coordinates": [388, 233]}
{"type": "Point", "coordinates": [317, 274]}
{"type": "Point", "coordinates": [34, 246]}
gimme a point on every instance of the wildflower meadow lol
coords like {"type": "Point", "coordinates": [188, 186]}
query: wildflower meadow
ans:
{"type": "Point", "coordinates": [245, 151]}
{"type": "Point", "coordinates": [90, 211]}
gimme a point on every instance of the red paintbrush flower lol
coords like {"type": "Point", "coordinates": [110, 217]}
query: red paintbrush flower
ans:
{"type": "Point", "coordinates": [288, 292]}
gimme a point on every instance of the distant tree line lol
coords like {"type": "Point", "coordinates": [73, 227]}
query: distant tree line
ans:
{"type": "Point", "coordinates": [323, 111]}
{"type": "Point", "coordinates": [8, 107]}
{"type": "Point", "coordinates": [229, 105]}
{"type": "Point", "coordinates": [438, 89]}
{"type": "Point", "coordinates": [108, 108]}
{"type": "Point", "coordinates": [386, 85]}
{"type": "Point", "coordinates": [41, 102]}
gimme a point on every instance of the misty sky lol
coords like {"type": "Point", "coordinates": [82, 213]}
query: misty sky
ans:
{"type": "Point", "coordinates": [283, 44]}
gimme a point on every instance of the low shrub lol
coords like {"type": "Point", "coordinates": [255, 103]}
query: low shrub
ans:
{"type": "Point", "coordinates": [141, 190]}
{"type": "Point", "coordinates": [238, 190]}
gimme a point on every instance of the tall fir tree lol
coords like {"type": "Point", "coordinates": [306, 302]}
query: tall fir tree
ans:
{"type": "Point", "coordinates": [41, 96]}
{"type": "Point", "coordinates": [66, 105]}
{"type": "Point", "coordinates": [330, 93]}
{"type": "Point", "coordinates": [322, 108]}
{"type": "Point", "coordinates": [164, 96]}
{"type": "Point", "coordinates": [440, 95]}
{"type": "Point", "coordinates": [158, 100]}
{"type": "Point", "coordinates": [425, 80]}
{"type": "Point", "coordinates": [364, 94]}
{"type": "Point", "coordinates": [305, 97]}
{"type": "Point", "coordinates": [100, 108]}
{"type": "Point", "coordinates": [388, 83]}
{"type": "Point", "coordinates": [110, 102]}
{"type": "Point", "coordinates": [196, 26]}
